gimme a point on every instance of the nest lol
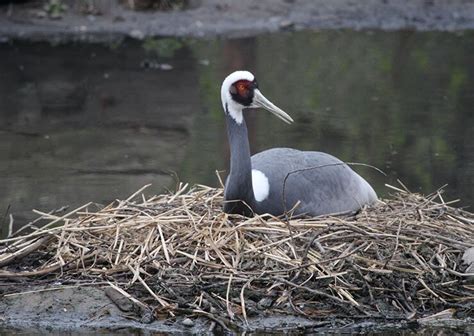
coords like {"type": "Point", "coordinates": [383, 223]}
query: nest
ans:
{"type": "Point", "coordinates": [179, 254]}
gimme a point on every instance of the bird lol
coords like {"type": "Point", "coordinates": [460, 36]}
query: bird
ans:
{"type": "Point", "coordinates": [281, 181]}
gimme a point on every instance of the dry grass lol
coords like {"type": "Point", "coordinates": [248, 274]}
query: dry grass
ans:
{"type": "Point", "coordinates": [180, 254]}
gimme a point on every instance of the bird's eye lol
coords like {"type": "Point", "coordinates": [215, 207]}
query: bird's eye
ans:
{"type": "Point", "coordinates": [242, 88]}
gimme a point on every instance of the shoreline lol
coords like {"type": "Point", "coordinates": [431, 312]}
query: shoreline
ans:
{"type": "Point", "coordinates": [212, 18]}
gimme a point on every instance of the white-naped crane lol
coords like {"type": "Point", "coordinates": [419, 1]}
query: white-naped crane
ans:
{"type": "Point", "coordinates": [275, 180]}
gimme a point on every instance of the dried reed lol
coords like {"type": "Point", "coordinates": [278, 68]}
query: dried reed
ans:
{"type": "Point", "coordinates": [180, 254]}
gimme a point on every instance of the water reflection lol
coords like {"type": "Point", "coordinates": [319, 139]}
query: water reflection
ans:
{"type": "Point", "coordinates": [400, 101]}
{"type": "Point", "coordinates": [88, 122]}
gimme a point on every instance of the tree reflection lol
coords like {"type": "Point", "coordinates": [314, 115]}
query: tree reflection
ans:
{"type": "Point", "coordinates": [401, 101]}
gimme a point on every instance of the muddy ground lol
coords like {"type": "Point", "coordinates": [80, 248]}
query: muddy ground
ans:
{"type": "Point", "coordinates": [205, 18]}
{"type": "Point", "coordinates": [80, 309]}
{"type": "Point", "coordinates": [86, 309]}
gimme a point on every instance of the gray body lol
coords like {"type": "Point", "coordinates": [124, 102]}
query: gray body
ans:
{"type": "Point", "coordinates": [321, 183]}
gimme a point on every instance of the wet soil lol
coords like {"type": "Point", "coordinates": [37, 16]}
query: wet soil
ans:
{"type": "Point", "coordinates": [73, 308]}
{"type": "Point", "coordinates": [91, 308]}
{"type": "Point", "coordinates": [205, 18]}
{"type": "Point", "coordinates": [83, 310]}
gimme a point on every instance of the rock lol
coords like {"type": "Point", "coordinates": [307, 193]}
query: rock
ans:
{"type": "Point", "coordinates": [468, 259]}
{"type": "Point", "coordinates": [204, 62]}
{"type": "Point", "coordinates": [147, 317]}
{"type": "Point", "coordinates": [468, 256]}
{"type": "Point", "coordinates": [166, 67]}
{"type": "Point", "coordinates": [187, 322]}
{"type": "Point", "coordinates": [41, 14]}
{"type": "Point", "coordinates": [137, 34]}
{"type": "Point", "coordinates": [286, 24]}
{"type": "Point", "coordinates": [265, 303]}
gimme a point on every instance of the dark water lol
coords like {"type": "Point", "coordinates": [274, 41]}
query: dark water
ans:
{"type": "Point", "coordinates": [427, 331]}
{"type": "Point", "coordinates": [87, 122]}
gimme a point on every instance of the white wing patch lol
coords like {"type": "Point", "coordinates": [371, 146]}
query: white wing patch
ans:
{"type": "Point", "coordinates": [260, 185]}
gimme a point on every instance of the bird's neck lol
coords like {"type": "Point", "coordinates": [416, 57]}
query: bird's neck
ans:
{"type": "Point", "coordinates": [239, 183]}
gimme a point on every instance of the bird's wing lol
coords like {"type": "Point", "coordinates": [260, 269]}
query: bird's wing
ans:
{"type": "Point", "coordinates": [319, 181]}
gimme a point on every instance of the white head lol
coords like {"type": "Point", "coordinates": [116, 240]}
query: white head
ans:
{"type": "Point", "coordinates": [240, 90]}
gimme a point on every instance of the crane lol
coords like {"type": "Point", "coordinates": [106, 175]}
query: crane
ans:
{"type": "Point", "coordinates": [281, 179]}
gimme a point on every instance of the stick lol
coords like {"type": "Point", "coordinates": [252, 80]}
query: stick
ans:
{"type": "Point", "coordinates": [42, 230]}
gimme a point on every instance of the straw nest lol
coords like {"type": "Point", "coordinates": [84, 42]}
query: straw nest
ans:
{"type": "Point", "coordinates": [179, 254]}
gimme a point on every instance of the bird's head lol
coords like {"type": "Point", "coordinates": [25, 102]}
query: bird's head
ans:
{"type": "Point", "coordinates": [240, 90]}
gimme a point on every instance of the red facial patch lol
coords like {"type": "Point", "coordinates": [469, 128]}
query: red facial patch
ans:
{"type": "Point", "coordinates": [241, 87]}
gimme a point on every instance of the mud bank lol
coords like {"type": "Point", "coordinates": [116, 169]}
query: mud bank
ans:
{"type": "Point", "coordinates": [206, 18]}
{"type": "Point", "coordinates": [80, 308]}
{"type": "Point", "coordinates": [89, 308]}
{"type": "Point", "coordinates": [83, 310]}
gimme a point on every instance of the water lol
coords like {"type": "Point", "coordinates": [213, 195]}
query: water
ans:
{"type": "Point", "coordinates": [86, 122]}
{"type": "Point", "coordinates": [427, 331]}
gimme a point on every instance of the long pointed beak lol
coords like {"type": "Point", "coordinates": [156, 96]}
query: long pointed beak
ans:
{"type": "Point", "coordinates": [259, 100]}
